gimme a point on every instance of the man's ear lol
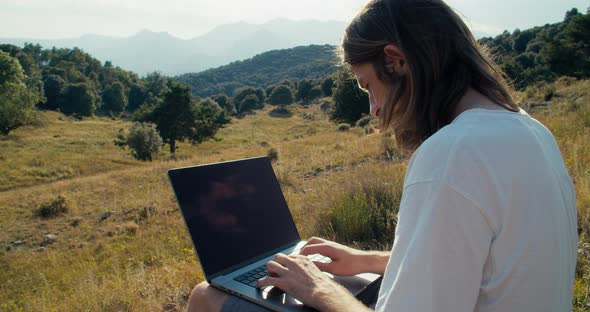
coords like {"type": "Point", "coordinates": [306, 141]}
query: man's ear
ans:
{"type": "Point", "coordinates": [395, 60]}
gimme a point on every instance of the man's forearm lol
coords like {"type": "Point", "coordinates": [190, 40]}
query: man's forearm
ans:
{"type": "Point", "coordinates": [376, 261]}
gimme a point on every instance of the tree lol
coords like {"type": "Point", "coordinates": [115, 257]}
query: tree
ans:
{"type": "Point", "coordinates": [281, 95]}
{"type": "Point", "coordinates": [212, 104]}
{"type": "Point", "coordinates": [521, 40]}
{"type": "Point", "coordinates": [114, 98]}
{"type": "Point", "coordinates": [225, 103]}
{"type": "Point", "coordinates": [179, 118]}
{"type": "Point", "coordinates": [78, 99]}
{"type": "Point", "coordinates": [17, 103]}
{"type": "Point", "coordinates": [137, 96]}
{"type": "Point", "coordinates": [303, 90]}
{"type": "Point", "coordinates": [156, 84]}
{"type": "Point", "coordinates": [54, 86]}
{"type": "Point", "coordinates": [350, 101]}
{"type": "Point", "coordinates": [327, 85]}
{"type": "Point", "coordinates": [249, 103]}
{"type": "Point", "coordinates": [242, 93]}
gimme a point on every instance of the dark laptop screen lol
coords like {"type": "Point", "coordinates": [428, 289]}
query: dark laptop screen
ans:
{"type": "Point", "coordinates": [234, 211]}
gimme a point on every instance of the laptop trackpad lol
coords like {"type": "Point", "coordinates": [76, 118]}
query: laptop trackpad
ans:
{"type": "Point", "coordinates": [355, 284]}
{"type": "Point", "coordinates": [276, 295]}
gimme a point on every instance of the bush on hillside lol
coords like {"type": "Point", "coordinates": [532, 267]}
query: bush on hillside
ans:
{"type": "Point", "coordinates": [273, 154]}
{"type": "Point", "coordinates": [53, 208]}
{"type": "Point", "coordinates": [225, 102]}
{"type": "Point", "coordinates": [248, 98]}
{"type": "Point", "coordinates": [304, 88]}
{"type": "Point", "coordinates": [361, 123]}
{"type": "Point", "coordinates": [343, 127]}
{"type": "Point", "coordinates": [78, 99]}
{"type": "Point", "coordinates": [351, 103]}
{"type": "Point", "coordinates": [249, 103]}
{"type": "Point", "coordinates": [281, 95]}
{"type": "Point", "coordinates": [143, 140]}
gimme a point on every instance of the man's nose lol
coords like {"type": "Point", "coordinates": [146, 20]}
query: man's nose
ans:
{"type": "Point", "coordinates": [374, 109]}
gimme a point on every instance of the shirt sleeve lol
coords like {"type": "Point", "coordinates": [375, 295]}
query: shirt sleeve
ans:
{"type": "Point", "coordinates": [440, 249]}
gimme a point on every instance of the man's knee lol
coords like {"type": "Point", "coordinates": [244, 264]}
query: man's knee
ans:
{"type": "Point", "coordinates": [205, 298]}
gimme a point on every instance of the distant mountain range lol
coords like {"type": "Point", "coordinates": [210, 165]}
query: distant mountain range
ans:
{"type": "Point", "coordinates": [149, 51]}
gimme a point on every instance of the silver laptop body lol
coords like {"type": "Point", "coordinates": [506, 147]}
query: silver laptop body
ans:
{"type": "Point", "coordinates": [238, 220]}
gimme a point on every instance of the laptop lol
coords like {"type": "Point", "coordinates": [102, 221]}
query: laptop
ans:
{"type": "Point", "coordinates": [238, 220]}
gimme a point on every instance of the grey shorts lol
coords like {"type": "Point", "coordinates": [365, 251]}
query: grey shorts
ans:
{"type": "Point", "coordinates": [235, 304]}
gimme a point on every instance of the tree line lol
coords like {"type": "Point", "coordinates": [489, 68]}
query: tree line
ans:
{"type": "Point", "coordinates": [76, 84]}
{"type": "Point", "coordinates": [545, 53]}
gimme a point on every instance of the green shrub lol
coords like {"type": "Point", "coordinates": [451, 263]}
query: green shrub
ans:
{"type": "Point", "coordinates": [361, 123]}
{"type": "Point", "coordinates": [273, 154]}
{"type": "Point", "coordinates": [143, 140]}
{"type": "Point", "coordinates": [53, 208]}
{"type": "Point", "coordinates": [343, 127]}
{"type": "Point", "coordinates": [365, 217]}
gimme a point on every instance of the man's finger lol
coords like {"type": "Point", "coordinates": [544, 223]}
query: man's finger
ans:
{"type": "Point", "coordinates": [285, 260]}
{"type": "Point", "coordinates": [270, 281]}
{"type": "Point", "coordinates": [315, 240]}
{"type": "Point", "coordinates": [275, 268]}
{"type": "Point", "coordinates": [323, 249]}
{"type": "Point", "coordinates": [324, 267]}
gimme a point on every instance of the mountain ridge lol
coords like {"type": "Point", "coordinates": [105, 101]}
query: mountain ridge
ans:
{"type": "Point", "coordinates": [302, 62]}
{"type": "Point", "coordinates": [148, 51]}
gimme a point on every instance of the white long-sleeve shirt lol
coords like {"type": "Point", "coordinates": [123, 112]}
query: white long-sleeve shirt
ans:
{"type": "Point", "coordinates": [487, 221]}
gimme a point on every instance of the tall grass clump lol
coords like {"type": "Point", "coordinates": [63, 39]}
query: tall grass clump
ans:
{"type": "Point", "coordinates": [388, 147]}
{"type": "Point", "coordinates": [365, 217]}
{"type": "Point", "coordinates": [343, 127]}
{"type": "Point", "coordinates": [53, 208]}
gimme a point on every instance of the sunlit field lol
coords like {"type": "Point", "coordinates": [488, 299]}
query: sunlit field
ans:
{"type": "Point", "coordinates": [120, 243]}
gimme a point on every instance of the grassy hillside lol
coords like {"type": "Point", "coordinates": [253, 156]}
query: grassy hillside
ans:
{"type": "Point", "coordinates": [139, 257]}
{"type": "Point", "coordinates": [267, 68]}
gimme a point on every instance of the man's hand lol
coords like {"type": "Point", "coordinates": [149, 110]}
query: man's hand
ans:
{"type": "Point", "coordinates": [300, 278]}
{"type": "Point", "coordinates": [346, 261]}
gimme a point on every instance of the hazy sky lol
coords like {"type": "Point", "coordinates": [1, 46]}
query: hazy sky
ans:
{"type": "Point", "coordinates": [190, 18]}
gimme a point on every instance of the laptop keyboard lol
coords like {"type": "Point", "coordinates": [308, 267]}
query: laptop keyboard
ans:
{"type": "Point", "coordinates": [251, 277]}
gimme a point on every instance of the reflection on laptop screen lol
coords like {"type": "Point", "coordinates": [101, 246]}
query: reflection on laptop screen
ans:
{"type": "Point", "coordinates": [234, 211]}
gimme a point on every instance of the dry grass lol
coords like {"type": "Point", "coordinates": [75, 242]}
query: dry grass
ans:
{"type": "Point", "coordinates": [140, 256]}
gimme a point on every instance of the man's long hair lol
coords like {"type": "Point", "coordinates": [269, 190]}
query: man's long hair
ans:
{"type": "Point", "coordinates": [443, 59]}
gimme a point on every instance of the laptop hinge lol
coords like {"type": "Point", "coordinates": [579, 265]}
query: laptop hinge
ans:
{"type": "Point", "coordinates": [250, 261]}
